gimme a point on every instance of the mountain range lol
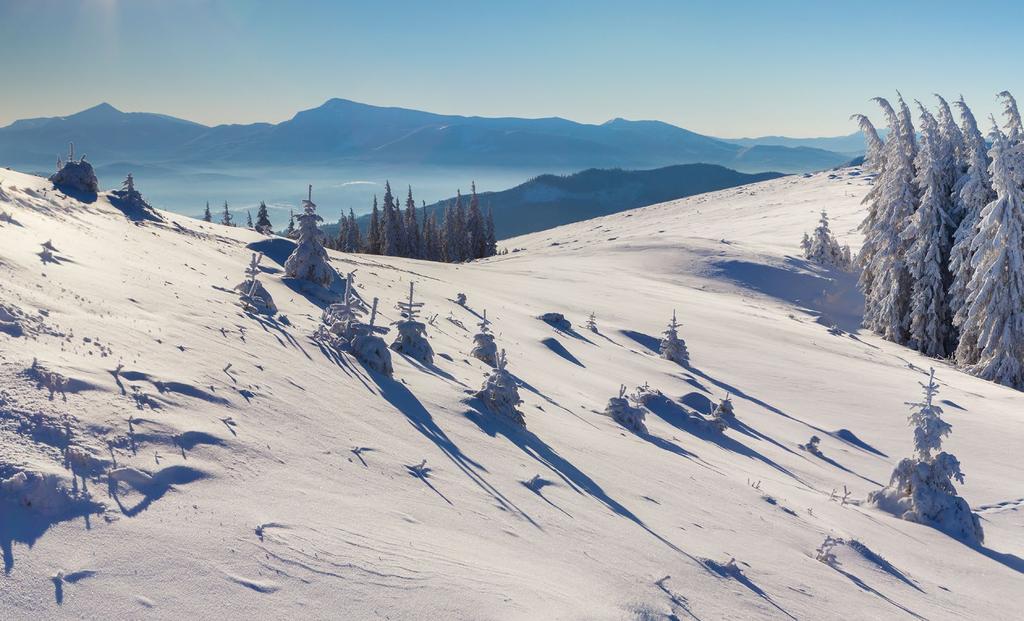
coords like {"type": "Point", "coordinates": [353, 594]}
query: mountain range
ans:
{"type": "Point", "coordinates": [341, 131]}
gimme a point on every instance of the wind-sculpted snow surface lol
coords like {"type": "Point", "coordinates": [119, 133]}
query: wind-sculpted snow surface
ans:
{"type": "Point", "coordinates": [167, 451]}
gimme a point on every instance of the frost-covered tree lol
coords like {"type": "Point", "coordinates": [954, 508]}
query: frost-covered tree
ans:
{"type": "Point", "coordinates": [592, 322]}
{"type": "Point", "coordinates": [929, 233]}
{"type": "Point", "coordinates": [885, 280]}
{"type": "Point", "coordinates": [476, 234]}
{"type": "Point", "coordinates": [76, 176]}
{"type": "Point", "coordinates": [723, 416]}
{"type": "Point", "coordinates": [1014, 129]}
{"type": "Point", "coordinates": [411, 339]}
{"type": "Point", "coordinates": [393, 242]}
{"type": "Point", "coordinates": [624, 413]}
{"type": "Point", "coordinates": [225, 217]}
{"type": "Point", "coordinates": [354, 242]}
{"type": "Point", "coordinates": [290, 231]}
{"type": "Point", "coordinates": [253, 295]}
{"type": "Point", "coordinates": [824, 249]}
{"type": "Point", "coordinates": [484, 348]}
{"type": "Point", "coordinates": [263, 224]}
{"type": "Point", "coordinates": [207, 216]}
{"type": "Point", "coordinates": [248, 219]}
{"type": "Point", "coordinates": [873, 153]}
{"type": "Point", "coordinates": [672, 347]}
{"type": "Point", "coordinates": [130, 201]}
{"type": "Point", "coordinates": [952, 149]}
{"type": "Point", "coordinates": [921, 487]}
{"type": "Point", "coordinates": [489, 235]}
{"type": "Point", "coordinates": [972, 192]}
{"type": "Point", "coordinates": [992, 334]}
{"type": "Point", "coordinates": [309, 259]}
{"type": "Point", "coordinates": [500, 393]}
{"type": "Point", "coordinates": [370, 348]}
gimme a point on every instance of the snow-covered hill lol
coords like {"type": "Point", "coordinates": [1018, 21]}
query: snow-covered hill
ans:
{"type": "Point", "coordinates": [234, 469]}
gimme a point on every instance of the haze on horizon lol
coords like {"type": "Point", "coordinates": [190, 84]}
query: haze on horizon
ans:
{"type": "Point", "coordinates": [755, 69]}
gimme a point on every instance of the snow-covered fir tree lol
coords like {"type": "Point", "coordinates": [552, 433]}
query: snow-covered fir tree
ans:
{"type": "Point", "coordinates": [874, 147]}
{"type": "Point", "coordinates": [921, 487]}
{"type": "Point", "coordinates": [370, 348]}
{"type": "Point", "coordinates": [723, 416]}
{"type": "Point", "coordinates": [484, 348]}
{"type": "Point", "coordinates": [76, 176]}
{"type": "Point", "coordinates": [992, 333]}
{"type": "Point", "coordinates": [207, 216]}
{"type": "Point", "coordinates": [929, 233]}
{"type": "Point", "coordinates": [373, 230]}
{"type": "Point", "coordinates": [248, 219]}
{"type": "Point", "coordinates": [225, 216]}
{"type": "Point", "coordinates": [411, 339]}
{"type": "Point", "coordinates": [489, 235]}
{"type": "Point", "coordinates": [885, 280]}
{"type": "Point", "coordinates": [500, 393]}
{"type": "Point", "coordinates": [263, 224]}
{"type": "Point", "coordinates": [309, 259]}
{"type": "Point", "coordinates": [413, 238]}
{"type": "Point", "coordinates": [130, 201]}
{"type": "Point", "coordinates": [354, 241]}
{"type": "Point", "coordinates": [290, 231]}
{"type": "Point", "coordinates": [624, 413]}
{"type": "Point", "coordinates": [393, 243]}
{"type": "Point", "coordinates": [476, 234]}
{"type": "Point", "coordinates": [672, 347]}
{"type": "Point", "coordinates": [1014, 129]}
{"type": "Point", "coordinates": [253, 295]}
{"type": "Point", "coordinates": [972, 192]}
{"type": "Point", "coordinates": [592, 322]}
{"type": "Point", "coordinates": [824, 249]}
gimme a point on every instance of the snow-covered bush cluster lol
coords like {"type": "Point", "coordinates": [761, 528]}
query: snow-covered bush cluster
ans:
{"type": "Point", "coordinates": [625, 413]}
{"type": "Point", "coordinates": [943, 270]}
{"type": "Point", "coordinates": [723, 416]}
{"type": "Point", "coordinates": [253, 295]}
{"type": "Point", "coordinates": [921, 487]}
{"type": "Point", "coordinates": [500, 393]}
{"type": "Point", "coordinates": [484, 348]}
{"type": "Point", "coordinates": [824, 249]}
{"type": "Point", "coordinates": [75, 176]}
{"type": "Point", "coordinates": [412, 338]}
{"type": "Point", "coordinates": [462, 234]}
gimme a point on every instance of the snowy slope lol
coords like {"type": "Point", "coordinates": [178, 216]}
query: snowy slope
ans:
{"type": "Point", "coordinates": [236, 439]}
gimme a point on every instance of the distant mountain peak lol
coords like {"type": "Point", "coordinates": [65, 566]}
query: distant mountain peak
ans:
{"type": "Point", "coordinates": [103, 109]}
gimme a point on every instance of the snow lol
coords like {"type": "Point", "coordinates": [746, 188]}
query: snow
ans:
{"type": "Point", "coordinates": [229, 466]}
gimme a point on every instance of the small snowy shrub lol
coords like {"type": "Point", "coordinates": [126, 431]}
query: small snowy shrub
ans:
{"type": "Point", "coordinates": [625, 414]}
{"type": "Point", "coordinates": [723, 415]}
{"type": "Point", "coordinates": [557, 321]}
{"type": "Point", "coordinates": [411, 339]}
{"type": "Point", "coordinates": [672, 347]}
{"type": "Point", "coordinates": [812, 446]}
{"type": "Point", "coordinates": [592, 322]}
{"type": "Point", "coordinates": [484, 348]}
{"type": "Point", "coordinates": [823, 248]}
{"type": "Point", "coordinates": [501, 394]}
{"type": "Point", "coordinates": [460, 299]}
{"type": "Point", "coordinates": [309, 259]}
{"type": "Point", "coordinates": [251, 291]}
{"type": "Point", "coordinates": [921, 487]}
{"type": "Point", "coordinates": [75, 177]}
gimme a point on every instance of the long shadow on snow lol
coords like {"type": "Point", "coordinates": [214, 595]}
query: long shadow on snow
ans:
{"type": "Point", "coordinates": [576, 479]}
{"type": "Point", "coordinates": [20, 524]}
{"type": "Point", "coordinates": [405, 402]}
{"type": "Point", "coordinates": [646, 341]}
{"type": "Point", "coordinates": [733, 571]}
{"type": "Point", "coordinates": [154, 490]}
{"type": "Point", "coordinates": [557, 348]}
{"type": "Point", "coordinates": [830, 296]}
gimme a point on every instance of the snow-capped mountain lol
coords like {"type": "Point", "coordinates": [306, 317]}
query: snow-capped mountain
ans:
{"type": "Point", "coordinates": [167, 452]}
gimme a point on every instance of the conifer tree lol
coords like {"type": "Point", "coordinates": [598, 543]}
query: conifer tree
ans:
{"type": "Point", "coordinates": [672, 347]}
{"type": "Point", "coordinates": [490, 239]}
{"type": "Point", "coordinates": [823, 248]}
{"type": "Point", "coordinates": [1014, 129]}
{"type": "Point", "coordinates": [723, 416]}
{"type": "Point", "coordinates": [929, 233]}
{"type": "Point", "coordinates": [874, 147]}
{"type": "Point", "coordinates": [354, 242]}
{"type": "Point", "coordinates": [447, 235]}
{"type": "Point", "coordinates": [413, 239]}
{"type": "Point", "coordinates": [992, 335]}
{"type": "Point", "coordinates": [411, 339]}
{"type": "Point", "coordinates": [207, 216]}
{"type": "Point", "coordinates": [374, 233]}
{"type": "Point", "coordinates": [476, 237]}
{"type": "Point", "coordinates": [921, 487]}
{"type": "Point", "coordinates": [309, 259]}
{"type": "Point", "coordinates": [500, 393]}
{"type": "Point", "coordinates": [248, 219]}
{"type": "Point", "coordinates": [225, 216]}
{"type": "Point", "coordinates": [484, 348]}
{"type": "Point", "coordinates": [431, 243]}
{"type": "Point", "coordinates": [622, 412]}
{"type": "Point", "coordinates": [263, 224]}
{"type": "Point", "coordinates": [290, 231]}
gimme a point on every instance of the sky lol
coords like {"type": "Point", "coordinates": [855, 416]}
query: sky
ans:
{"type": "Point", "coordinates": [727, 69]}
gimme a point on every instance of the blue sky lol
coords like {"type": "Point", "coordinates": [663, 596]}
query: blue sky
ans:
{"type": "Point", "coordinates": [722, 68]}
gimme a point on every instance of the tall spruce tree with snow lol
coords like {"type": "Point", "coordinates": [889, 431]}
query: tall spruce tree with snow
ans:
{"type": "Point", "coordinates": [1014, 128]}
{"type": "Point", "coordinates": [929, 233]}
{"type": "Point", "coordinates": [484, 348]}
{"type": "Point", "coordinates": [413, 239]}
{"type": "Point", "coordinates": [373, 230]}
{"type": "Point", "coordinates": [207, 216]}
{"type": "Point", "coordinates": [952, 152]}
{"type": "Point", "coordinates": [248, 219]}
{"type": "Point", "coordinates": [431, 237]}
{"type": "Point", "coordinates": [672, 347]}
{"type": "Point", "coordinates": [624, 413]}
{"type": "Point", "coordinates": [411, 339]}
{"type": "Point", "coordinates": [992, 334]}
{"type": "Point", "coordinates": [263, 224]}
{"type": "Point", "coordinates": [476, 234]}
{"type": "Point", "coordinates": [885, 280]}
{"type": "Point", "coordinates": [225, 216]}
{"type": "Point", "coordinates": [447, 235]}
{"type": "Point", "coordinates": [874, 147]}
{"type": "Point", "coordinates": [309, 259]}
{"type": "Point", "coordinates": [921, 487]}
{"type": "Point", "coordinates": [500, 393]}
{"type": "Point", "coordinates": [823, 248]}
{"type": "Point", "coordinates": [972, 192]}
{"type": "Point", "coordinates": [354, 242]}
{"type": "Point", "coordinates": [290, 231]}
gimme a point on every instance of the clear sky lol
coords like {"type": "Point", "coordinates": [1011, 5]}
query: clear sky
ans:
{"type": "Point", "coordinates": [723, 68]}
